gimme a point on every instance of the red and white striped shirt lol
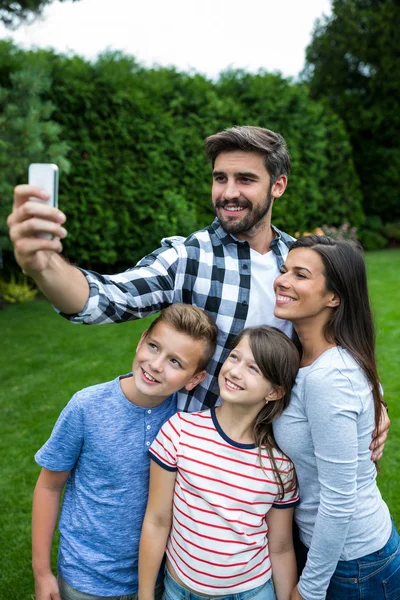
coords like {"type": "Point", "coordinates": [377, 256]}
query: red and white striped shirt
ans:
{"type": "Point", "coordinates": [218, 541]}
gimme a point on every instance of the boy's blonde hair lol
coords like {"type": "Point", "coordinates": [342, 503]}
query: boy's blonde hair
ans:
{"type": "Point", "coordinates": [195, 323]}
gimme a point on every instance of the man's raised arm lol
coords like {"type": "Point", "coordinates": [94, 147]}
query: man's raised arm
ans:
{"type": "Point", "coordinates": [64, 285]}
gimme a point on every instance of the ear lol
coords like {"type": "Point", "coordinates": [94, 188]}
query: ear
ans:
{"type": "Point", "coordinates": [334, 301]}
{"type": "Point", "coordinates": [195, 380]}
{"type": "Point", "coordinates": [279, 186]}
{"type": "Point", "coordinates": [276, 393]}
{"type": "Point", "coordinates": [141, 340]}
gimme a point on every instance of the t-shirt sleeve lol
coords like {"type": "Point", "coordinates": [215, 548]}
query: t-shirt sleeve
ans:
{"type": "Point", "coordinates": [290, 496]}
{"type": "Point", "coordinates": [164, 450]}
{"type": "Point", "coordinates": [62, 449]}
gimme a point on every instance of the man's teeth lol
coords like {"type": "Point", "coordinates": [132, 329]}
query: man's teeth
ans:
{"type": "Point", "coordinates": [234, 208]}
{"type": "Point", "coordinates": [284, 299]}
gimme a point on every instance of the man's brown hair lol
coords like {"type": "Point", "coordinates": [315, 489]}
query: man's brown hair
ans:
{"type": "Point", "coordinates": [248, 138]}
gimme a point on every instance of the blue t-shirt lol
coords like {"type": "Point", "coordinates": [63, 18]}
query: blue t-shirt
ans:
{"type": "Point", "coordinates": [103, 439]}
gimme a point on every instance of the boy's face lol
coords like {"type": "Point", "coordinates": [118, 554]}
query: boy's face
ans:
{"type": "Point", "coordinates": [166, 361]}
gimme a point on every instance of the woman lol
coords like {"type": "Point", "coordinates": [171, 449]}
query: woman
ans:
{"type": "Point", "coordinates": [353, 547]}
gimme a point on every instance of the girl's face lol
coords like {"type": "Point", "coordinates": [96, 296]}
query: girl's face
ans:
{"type": "Point", "coordinates": [300, 289]}
{"type": "Point", "coordinates": [241, 381]}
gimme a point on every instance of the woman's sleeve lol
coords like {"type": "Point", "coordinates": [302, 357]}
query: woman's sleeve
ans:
{"type": "Point", "coordinates": [332, 408]}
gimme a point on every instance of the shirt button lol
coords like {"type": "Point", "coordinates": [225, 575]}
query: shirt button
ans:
{"type": "Point", "coordinates": [245, 267]}
{"type": "Point", "coordinates": [149, 412]}
{"type": "Point", "coordinates": [148, 426]}
{"type": "Point", "coordinates": [147, 443]}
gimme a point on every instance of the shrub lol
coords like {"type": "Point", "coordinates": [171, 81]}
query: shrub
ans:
{"type": "Point", "coordinates": [392, 232]}
{"type": "Point", "coordinates": [344, 232]}
{"type": "Point", "coordinates": [371, 234]}
{"type": "Point", "coordinates": [17, 291]}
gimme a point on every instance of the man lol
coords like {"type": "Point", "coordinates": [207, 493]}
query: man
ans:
{"type": "Point", "coordinates": [227, 268]}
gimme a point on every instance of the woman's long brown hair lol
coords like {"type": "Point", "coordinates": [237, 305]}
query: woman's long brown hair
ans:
{"type": "Point", "coordinates": [351, 324]}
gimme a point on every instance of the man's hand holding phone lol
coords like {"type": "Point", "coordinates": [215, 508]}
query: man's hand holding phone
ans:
{"type": "Point", "coordinates": [36, 227]}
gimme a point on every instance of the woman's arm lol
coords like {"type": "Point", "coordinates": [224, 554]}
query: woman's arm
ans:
{"type": "Point", "coordinates": [156, 528]}
{"type": "Point", "coordinates": [280, 544]}
{"type": "Point", "coordinates": [46, 504]}
{"type": "Point", "coordinates": [332, 407]}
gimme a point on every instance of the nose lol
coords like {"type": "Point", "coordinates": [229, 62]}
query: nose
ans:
{"type": "Point", "coordinates": [235, 371]}
{"type": "Point", "coordinates": [157, 363]}
{"type": "Point", "coordinates": [281, 281]}
{"type": "Point", "coordinates": [231, 190]}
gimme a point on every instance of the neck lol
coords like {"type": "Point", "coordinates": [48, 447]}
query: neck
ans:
{"type": "Point", "coordinates": [237, 421]}
{"type": "Point", "coordinates": [312, 339]}
{"type": "Point", "coordinates": [260, 236]}
{"type": "Point", "coordinates": [132, 394]}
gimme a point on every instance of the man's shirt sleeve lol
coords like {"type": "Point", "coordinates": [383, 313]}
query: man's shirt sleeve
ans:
{"type": "Point", "coordinates": [141, 291]}
{"type": "Point", "coordinates": [62, 449]}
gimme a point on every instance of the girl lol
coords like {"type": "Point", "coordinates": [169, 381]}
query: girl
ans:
{"type": "Point", "coordinates": [353, 547]}
{"type": "Point", "coordinates": [219, 478]}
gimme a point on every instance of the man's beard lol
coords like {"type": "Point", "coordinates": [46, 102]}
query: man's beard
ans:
{"type": "Point", "coordinates": [247, 223]}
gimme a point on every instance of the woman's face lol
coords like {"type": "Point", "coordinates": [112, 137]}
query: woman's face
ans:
{"type": "Point", "coordinates": [300, 289]}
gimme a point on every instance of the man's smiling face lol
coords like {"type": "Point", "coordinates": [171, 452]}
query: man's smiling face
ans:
{"type": "Point", "coordinates": [241, 191]}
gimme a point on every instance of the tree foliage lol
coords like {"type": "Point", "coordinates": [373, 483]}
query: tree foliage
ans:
{"type": "Point", "coordinates": [13, 13]}
{"type": "Point", "coordinates": [353, 62]}
{"type": "Point", "coordinates": [27, 131]}
{"type": "Point", "coordinates": [134, 140]}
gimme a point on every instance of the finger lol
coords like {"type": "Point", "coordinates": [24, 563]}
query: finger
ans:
{"type": "Point", "coordinates": [32, 226]}
{"type": "Point", "coordinates": [379, 440]}
{"type": "Point", "coordinates": [377, 455]}
{"type": "Point", "coordinates": [23, 192]}
{"type": "Point", "coordinates": [29, 246]}
{"type": "Point", "coordinates": [36, 209]}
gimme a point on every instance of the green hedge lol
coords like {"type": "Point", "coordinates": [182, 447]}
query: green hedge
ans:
{"type": "Point", "coordinates": [133, 140]}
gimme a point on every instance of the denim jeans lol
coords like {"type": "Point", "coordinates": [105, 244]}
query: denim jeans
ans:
{"type": "Point", "coordinates": [174, 591]}
{"type": "Point", "coordinates": [69, 593]}
{"type": "Point", "coordinates": [375, 576]}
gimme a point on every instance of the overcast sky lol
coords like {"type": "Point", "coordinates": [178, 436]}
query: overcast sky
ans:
{"type": "Point", "coordinates": [205, 35]}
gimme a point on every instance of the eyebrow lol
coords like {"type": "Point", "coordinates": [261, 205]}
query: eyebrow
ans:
{"type": "Point", "coordinates": [180, 359]}
{"type": "Point", "coordinates": [302, 269]}
{"type": "Point", "coordinates": [249, 174]}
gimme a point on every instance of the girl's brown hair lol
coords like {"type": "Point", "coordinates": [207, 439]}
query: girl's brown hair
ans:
{"type": "Point", "coordinates": [278, 360]}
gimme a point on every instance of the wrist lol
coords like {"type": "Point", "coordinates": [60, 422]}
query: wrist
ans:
{"type": "Point", "coordinates": [41, 570]}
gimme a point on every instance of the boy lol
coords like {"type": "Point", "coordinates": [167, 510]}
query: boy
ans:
{"type": "Point", "coordinates": [99, 448]}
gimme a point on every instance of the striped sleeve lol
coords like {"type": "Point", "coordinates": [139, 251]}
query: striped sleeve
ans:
{"type": "Point", "coordinates": [164, 449]}
{"type": "Point", "coordinates": [291, 491]}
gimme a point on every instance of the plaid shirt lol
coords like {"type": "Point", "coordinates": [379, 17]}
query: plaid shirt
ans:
{"type": "Point", "coordinates": [210, 269]}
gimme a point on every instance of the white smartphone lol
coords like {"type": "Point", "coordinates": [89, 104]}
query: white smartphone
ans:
{"type": "Point", "coordinates": [45, 176]}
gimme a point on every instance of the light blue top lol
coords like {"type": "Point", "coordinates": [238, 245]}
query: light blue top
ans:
{"type": "Point", "coordinates": [326, 431]}
{"type": "Point", "coordinates": [103, 439]}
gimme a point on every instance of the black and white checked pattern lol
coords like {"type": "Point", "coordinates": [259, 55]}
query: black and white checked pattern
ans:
{"type": "Point", "coordinates": [210, 269]}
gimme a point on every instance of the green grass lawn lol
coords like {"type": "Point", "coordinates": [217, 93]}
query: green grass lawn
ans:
{"type": "Point", "coordinates": [45, 359]}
